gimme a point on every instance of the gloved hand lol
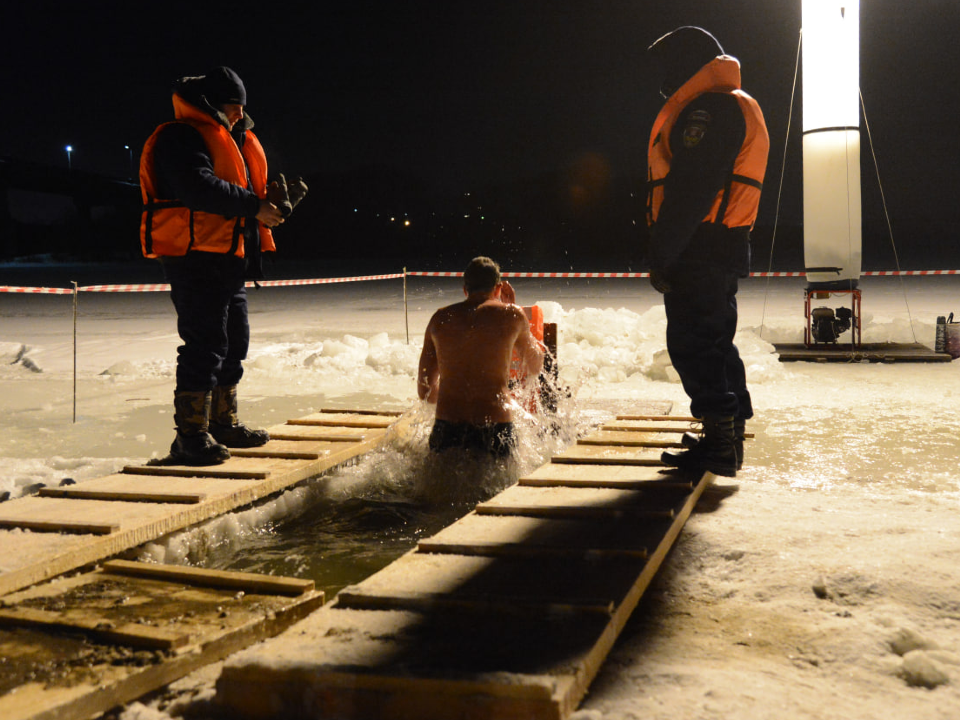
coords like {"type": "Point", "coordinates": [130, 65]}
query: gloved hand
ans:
{"type": "Point", "coordinates": [296, 189]}
{"type": "Point", "coordinates": [279, 195]}
{"type": "Point", "coordinates": [286, 196]}
{"type": "Point", "coordinates": [660, 282]}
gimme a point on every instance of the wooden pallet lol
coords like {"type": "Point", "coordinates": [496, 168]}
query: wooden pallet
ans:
{"type": "Point", "coordinates": [78, 646]}
{"type": "Point", "coordinates": [62, 529]}
{"type": "Point", "coordinates": [506, 614]}
{"type": "Point", "coordinates": [866, 352]}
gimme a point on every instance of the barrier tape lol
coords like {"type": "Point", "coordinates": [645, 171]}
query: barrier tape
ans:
{"type": "Point", "coordinates": [164, 288]}
{"type": "Point", "coordinates": [427, 273]}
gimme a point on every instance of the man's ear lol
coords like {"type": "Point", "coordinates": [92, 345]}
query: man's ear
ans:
{"type": "Point", "coordinates": [497, 289]}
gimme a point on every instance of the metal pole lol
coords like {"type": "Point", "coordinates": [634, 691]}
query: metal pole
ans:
{"type": "Point", "coordinates": [75, 299]}
{"type": "Point", "coordinates": [406, 313]}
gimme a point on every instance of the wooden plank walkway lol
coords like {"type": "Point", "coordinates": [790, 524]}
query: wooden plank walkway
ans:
{"type": "Point", "coordinates": [507, 614]}
{"type": "Point", "coordinates": [80, 645]}
{"type": "Point", "coordinates": [62, 529]}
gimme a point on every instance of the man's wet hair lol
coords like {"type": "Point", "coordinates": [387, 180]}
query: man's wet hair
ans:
{"type": "Point", "coordinates": [481, 275]}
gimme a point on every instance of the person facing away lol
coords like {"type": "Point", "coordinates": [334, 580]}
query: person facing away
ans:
{"type": "Point", "coordinates": [707, 158]}
{"type": "Point", "coordinates": [207, 218]}
{"type": "Point", "coordinates": [466, 360]}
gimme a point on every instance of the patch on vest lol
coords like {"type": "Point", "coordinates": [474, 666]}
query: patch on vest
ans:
{"type": "Point", "coordinates": [696, 127]}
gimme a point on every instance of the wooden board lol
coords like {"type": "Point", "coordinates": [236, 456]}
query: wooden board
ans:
{"type": "Point", "coordinates": [500, 616]}
{"type": "Point", "coordinates": [631, 438]}
{"type": "Point", "coordinates": [649, 427]}
{"type": "Point", "coordinates": [609, 455]}
{"type": "Point", "coordinates": [867, 352]}
{"type": "Point", "coordinates": [42, 537]}
{"type": "Point", "coordinates": [78, 646]}
{"type": "Point", "coordinates": [612, 476]}
{"type": "Point", "coordinates": [518, 535]}
{"type": "Point", "coordinates": [327, 433]}
{"type": "Point", "coordinates": [345, 420]}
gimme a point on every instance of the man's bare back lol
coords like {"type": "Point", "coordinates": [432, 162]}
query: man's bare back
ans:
{"type": "Point", "coordinates": [467, 354]}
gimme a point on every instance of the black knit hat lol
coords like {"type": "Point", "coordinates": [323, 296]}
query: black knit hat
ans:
{"type": "Point", "coordinates": [222, 86]}
{"type": "Point", "coordinates": [681, 53]}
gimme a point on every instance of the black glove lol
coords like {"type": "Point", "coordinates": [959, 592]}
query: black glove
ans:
{"type": "Point", "coordinates": [296, 189]}
{"type": "Point", "coordinates": [286, 196]}
{"type": "Point", "coordinates": [660, 282]}
{"type": "Point", "coordinates": [279, 195]}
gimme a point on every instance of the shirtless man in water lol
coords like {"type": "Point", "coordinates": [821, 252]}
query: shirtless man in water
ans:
{"type": "Point", "coordinates": [465, 363]}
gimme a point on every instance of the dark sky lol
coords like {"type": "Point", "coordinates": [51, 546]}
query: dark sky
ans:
{"type": "Point", "coordinates": [459, 94]}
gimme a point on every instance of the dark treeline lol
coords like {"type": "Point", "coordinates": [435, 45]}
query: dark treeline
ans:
{"type": "Point", "coordinates": [380, 219]}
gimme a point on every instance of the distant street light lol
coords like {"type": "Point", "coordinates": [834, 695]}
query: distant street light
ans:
{"type": "Point", "coordinates": [69, 149]}
{"type": "Point", "coordinates": [130, 152]}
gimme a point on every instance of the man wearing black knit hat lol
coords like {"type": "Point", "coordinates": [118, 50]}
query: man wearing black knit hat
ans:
{"type": "Point", "coordinates": [707, 157]}
{"type": "Point", "coordinates": [207, 217]}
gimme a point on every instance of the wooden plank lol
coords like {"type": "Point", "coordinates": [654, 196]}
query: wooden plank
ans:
{"type": "Point", "coordinates": [421, 581]}
{"type": "Point", "coordinates": [581, 503]}
{"type": "Point", "coordinates": [363, 411]}
{"type": "Point", "coordinates": [659, 418]}
{"type": "Point", "coordinates": [444, 656]}
{"type": "Point", "coordinates": [348, 420]}
{"type": "Point", "coordinates": [60, 677]}
{"type": "Point", "coordinates": [359, 599]}
{"type": "Point", "coordinates": [249, 582]}
{"type": "Point", "coordinates": [312, 432]}
{"type": "Point", "coordinates": [142, 636]}
{"type": "Point", "coordinates": [522, 550]}
{"type": "Point", "coordinates": [83, 493]}
{"type": "Point", "coordinates": [289, 450]}
{"type": "Point", "coordinates": [612, 476]}
{"type": "Point", "coordinates": [629, 439]}
{"type": "Point", "coordinates": [646, 427]}
{"type": "Point", "coordinates": [28, 558]}
{"type": "Point", "coordinates": [608, 455]}
{"type": "Point", "coordinates": [870, 352]}
{"type": "Point", "coordinates": [229, 469]}
{"type": "Point", "coordinates": [477, 534]}
{"type": "Point", "coordinates": [59, 526]}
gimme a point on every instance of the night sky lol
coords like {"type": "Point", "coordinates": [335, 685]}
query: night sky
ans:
{"type": "Point", "coordinates": [459, 94]}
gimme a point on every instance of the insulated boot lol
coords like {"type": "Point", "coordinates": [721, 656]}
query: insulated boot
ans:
{"type": "Point", "coordinates": [193, 444]}
{"type": "Point", "coordinates": [690, 440]}
{"type": "Point", "coordinates": [226, 427]}
{"type": "Point", "coordinates": [714, 452]}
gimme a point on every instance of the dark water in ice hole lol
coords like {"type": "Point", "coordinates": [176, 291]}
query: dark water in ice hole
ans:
{"type": "Point", "coordinates": [352, 522]}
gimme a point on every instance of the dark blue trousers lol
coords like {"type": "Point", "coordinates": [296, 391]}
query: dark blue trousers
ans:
{"type": "Point", "coordinates": [209, 295]}
{"type": "Point", "coordinates": [701, 323]}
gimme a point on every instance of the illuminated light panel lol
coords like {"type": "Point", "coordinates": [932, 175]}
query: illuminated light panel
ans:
{"type": "Point", "coordinates": [831, 140]}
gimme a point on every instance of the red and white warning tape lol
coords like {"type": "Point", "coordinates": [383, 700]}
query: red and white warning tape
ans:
{"type": "Point", "coordinates": [426, 273]}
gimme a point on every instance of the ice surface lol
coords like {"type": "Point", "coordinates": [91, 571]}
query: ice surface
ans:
{"type": "Point", "coordinates": [822, 583]}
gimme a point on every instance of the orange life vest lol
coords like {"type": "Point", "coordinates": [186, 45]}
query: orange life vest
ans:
{"type": "Point", "coordinates": [737, 204]}
{"type": "Point", "coordinates": [167, 226]}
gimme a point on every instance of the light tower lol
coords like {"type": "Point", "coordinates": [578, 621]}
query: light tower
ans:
{"type": "Point", "coordinates": [831, 162]}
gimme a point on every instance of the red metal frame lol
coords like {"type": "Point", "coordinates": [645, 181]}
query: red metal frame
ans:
{"type": "Point", "coordinates": [855, 301]}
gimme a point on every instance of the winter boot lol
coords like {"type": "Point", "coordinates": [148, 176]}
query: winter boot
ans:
{"type": "Point", "coordinates": [225, 426]}
{"type": "Point", "coordinates": [690, 440]}
{"type": "Point", "coordinates": [714, 452]}
{"type": "Point", "coordinates": [193, 444]}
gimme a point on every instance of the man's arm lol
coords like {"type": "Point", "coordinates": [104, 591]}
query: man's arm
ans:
{"type": "Point", "coordinates": [185, 172]}
{"type": "Point", "coordinates": [428, 374]}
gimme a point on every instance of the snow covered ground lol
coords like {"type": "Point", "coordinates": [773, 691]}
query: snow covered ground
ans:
{"type": "Point", "coordinates": [823, 582]}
